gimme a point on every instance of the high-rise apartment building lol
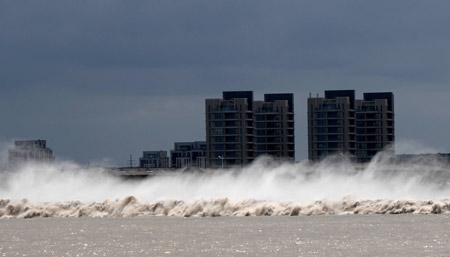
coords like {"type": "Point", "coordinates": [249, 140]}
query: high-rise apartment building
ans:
{"type": "Point", "coordinates": [274, 126]}
{"type": "Point", "coordinates": [29, 151]}
{"type": "Point", "coordinates": [374, 125]}
{"type": "Point", "coordinates": [239, 129]}
{"type": "Point", "coordinates": [339, 123]}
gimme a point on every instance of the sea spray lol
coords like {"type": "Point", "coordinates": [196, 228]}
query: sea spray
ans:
{"type": "Point", "coordinates": [264, 188]}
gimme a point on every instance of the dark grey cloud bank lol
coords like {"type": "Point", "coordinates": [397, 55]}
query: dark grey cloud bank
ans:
{"type": "Point", "coordinates": [103, 79]}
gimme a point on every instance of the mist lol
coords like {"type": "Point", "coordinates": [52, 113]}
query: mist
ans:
{"type": "Point", "coordinates": [266, 179]}
{"type": "Point", "coordinates": [334, 180]}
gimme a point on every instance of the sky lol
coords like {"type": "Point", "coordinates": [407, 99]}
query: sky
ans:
{"type": "Point", "coordinates": [100, 80]}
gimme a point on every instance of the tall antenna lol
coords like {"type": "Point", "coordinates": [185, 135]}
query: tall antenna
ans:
{"type": "Point", "coordinates": [130, 162]}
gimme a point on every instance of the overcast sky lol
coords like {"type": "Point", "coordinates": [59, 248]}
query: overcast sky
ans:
{"type": "Point", "coordinates": [106, 79]}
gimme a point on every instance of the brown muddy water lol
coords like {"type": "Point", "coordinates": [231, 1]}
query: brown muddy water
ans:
{"type": "Point", "coordinates": [321, 235]}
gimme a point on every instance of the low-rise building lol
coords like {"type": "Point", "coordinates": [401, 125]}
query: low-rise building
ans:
{"type": "Point", "coordinates": [431, 158]}
{"type": "Point", "coordinates": [154, 160]}
{"type": "Point", "coordinates": [27, 151]}
{"type": "Point", "coordinates": [188, 154]}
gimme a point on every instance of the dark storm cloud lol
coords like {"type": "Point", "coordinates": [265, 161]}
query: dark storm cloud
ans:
{"type": "Point", "coordinates": [95, 67]}
{"type": "Point", "coordinates": [294, 34]}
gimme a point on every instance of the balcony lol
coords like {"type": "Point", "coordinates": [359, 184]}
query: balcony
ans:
{"type": "Point", "coordinates": [273, 125]}
{"type": "Point", "coordinates": [226, 108]}
{"type": "Point", "coordinates": [334, 130]}
{"type": "Point", "coordinates": [232, 124]}
{"type": "Point", "coordinates": [334, 123]}
{"type": "Point", "coordinates": [232, 139]}
{"type": "Point", "coordinates": [334, 115]}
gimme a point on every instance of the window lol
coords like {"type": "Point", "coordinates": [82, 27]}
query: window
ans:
{"type": "Point", "coordinates": [218, 116]}
{"type": "Point", "coordinates": [334, 138]}
{"type": "Point", "coordinates": [333, 115]}
{"type": "Point", "coordinates": [232, 155]}
{"type": "Point", "coordinates": [334, 123]}
{"type": "Point", "coordinates": [232, 139]}
{"type": "Point", "coordinates": [330, 107]}
{"type": "Point", "coordinates": [321, 122]}
{"type": "Point", "coordinates": [273, 125]}
{"type": "Point", "coordinates": [260, 125]}
{"type": "Point", "coordinates": [231, 147]}
{"type": "Point", "coordinates": [260, 117]}
{"type": "Point", "coordinates": [373, 131]}
{"type": "Point", "coordinates": [321, 130]}
{"type": "Point", "coordinates": [360, 131]}
{"type": "Point", "coordinates": [321, 138]}
{"type": "Point", "coordinates": [230, 116]}
{"type": "Point", "coordinates": [321, 115]}
{"type": "Point", "coordinates": [321, 153]}
{"type": "Point", "coordinates": [273, 117]}
{"type": "Point", "coordinates": [321, 145]}
{"type": "Point", "coordinates": [373, 138]}
{"type": "Point", "coordinates": [219, 139]}
{"type": "Point", "coordinates": [219, 147]}
{"type": "Point", "coordinates": [261, 147]}
{"type": "Point", "coordinates": [218, 123]}
{"type": "Point", "coordinates": [360, 124]}
{"type": "Point", "coordinates": [360, 116]}
{"type": "Point", "coordinates": [227, 108]}
{"type": "Point", "coordinates": [232, 131]}
{"type": "Point", "coordinates": [334, 145]}
{"type": "Point", "coordinates": [360, 138]}
{"type": "Point", "coordinates": [231, 124]}
{"type": "Point", "coordinates": [218, 131]}
{"type": "Point", "coordinates": [274, 132]}
{"type": "Point", "coordinates": [333, 130]}
{"type": "Point", "coordinates": [260, 140]}
{"type": "Point", "coordinates": [217, 154]}
{"type": "Point", "coordinates": [372, 124]}
{"type": "Point", "coordinates": [260, 132]}
{"type": "Point", "coordinates": [274, 140]}
{"type": "Point", "coordinates": [372, 116]}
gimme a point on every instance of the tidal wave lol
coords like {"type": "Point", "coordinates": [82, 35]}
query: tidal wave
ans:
{"type": "Point", "coordinates": [131, 207]}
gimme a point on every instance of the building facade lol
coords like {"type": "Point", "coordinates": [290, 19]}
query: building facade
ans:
{"type": "Point", "coordinates": [29, 151]}
{"type": "Point", "coordinates": [239, 129]}
{"type": "Point", "coordinates": [339, 123]}
{"type": "Point", "coordinates": [154, 160]}
{"type": "Point", "coordinates": [188, 154]}
{"type": "Point", "coordinates": [274, 126]}
{"type": "Point", "coordinates": [374, 125]}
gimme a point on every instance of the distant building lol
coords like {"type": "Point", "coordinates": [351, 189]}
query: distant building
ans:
{"type": "Point", "coordinates": [337, 123]}
{"type": "Point", "coordinates": [239, 129]}
{"type": "Point", "coordinates": [274, 126]}
{"type": "Point", "coordinates": [154, 159]}
{"type": "Point", "coordinates": [431, 159]}
{"type": "Point", "coordinates": [29, 151]}
{"type": "Point", "coordinates": [188, 154]}
{"type": "Point", "coordinates": [374, 125]}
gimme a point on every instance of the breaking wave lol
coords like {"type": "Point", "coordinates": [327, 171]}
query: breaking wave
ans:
{"type": "Point", "coordinates": [131, 207]}
{"type": "Point", "coordinates": [263, 188]}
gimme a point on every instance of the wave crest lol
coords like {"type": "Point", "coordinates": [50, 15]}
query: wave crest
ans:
{"type": "Point", "coordinates": [132, 207]}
